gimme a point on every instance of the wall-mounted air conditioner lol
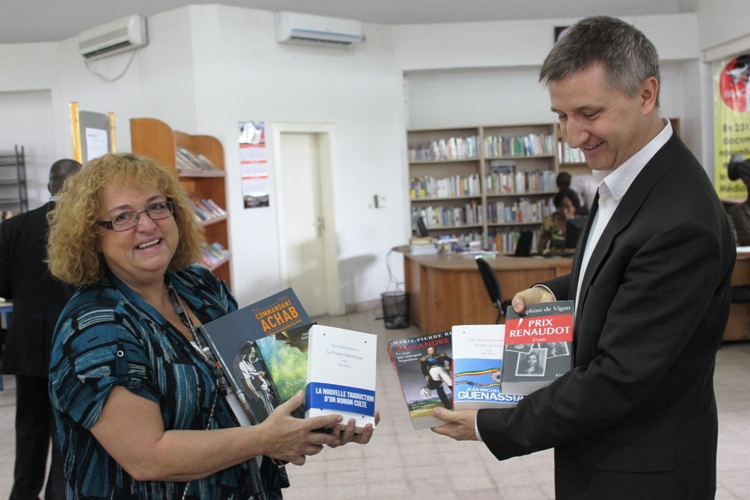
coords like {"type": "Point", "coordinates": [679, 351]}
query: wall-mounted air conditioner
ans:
{"type": "Point", "coordinates": [118, 36]}
{"type": "Point", "coordinates": [292, 27]}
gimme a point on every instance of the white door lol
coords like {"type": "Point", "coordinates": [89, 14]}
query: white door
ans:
{"type": "Point", "coordinates": [303, 219]}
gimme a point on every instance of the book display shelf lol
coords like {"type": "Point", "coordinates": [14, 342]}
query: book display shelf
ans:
{"type": "Point", "coordinates": [487, 183]}
{"type": "Point", "coordinates": [198, 163]}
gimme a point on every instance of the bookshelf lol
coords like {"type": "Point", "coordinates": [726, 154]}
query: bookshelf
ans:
{"type": "Point", "coordinates": [155, 139]}
{"type": "Point", "coordinates": [485, 183]}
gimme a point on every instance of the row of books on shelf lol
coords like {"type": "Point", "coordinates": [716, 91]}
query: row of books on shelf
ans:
{"type": "Point", "coordinates": [513, 182]}
{"type": "Point", "coordinates": [523, 210]}
{"type": "Point", "coordinates": [448, 216]}
{"type": "Point", "coordinates": [452, 148]}
{"type": "Point", "coordinates": [524, 145]}
{"type": "Point", "coordinates": [566, 154]}
{"type": "Point", "coordinates": [449, 187]}
{"type": "Point", "coordinates": [214, 254]}
{"type": "Point", "coordinates": [484, 366]}
{"type": "Point", "coordinates": [504, 241]}
{"type": "Point", "coordinates": [270, 350]}
{"type": "Point", "coordinates": [207, 209]}
{"type": "Point", "coordinates": [187, 161]}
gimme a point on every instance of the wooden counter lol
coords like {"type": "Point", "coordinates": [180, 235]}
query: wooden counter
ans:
{"type": "Point", "coordinates": [738, 326]}
{"type": "Point", "coordinates": [447, 290]}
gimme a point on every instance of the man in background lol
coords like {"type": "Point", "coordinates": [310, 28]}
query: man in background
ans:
{"type": "Point", "coordinates": [38, 299]}
{"type": "Point", "coordinates": [636, 416]}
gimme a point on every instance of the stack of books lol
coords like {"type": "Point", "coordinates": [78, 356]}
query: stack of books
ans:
{"type": "Point", "coordinates": [207, 210]}
{"type": "Point", "coordinates": [214, 254]}
{"type": "Point", "coordinates": [187, 161]}
{"type": "Point", "coordinates": [422, 246]}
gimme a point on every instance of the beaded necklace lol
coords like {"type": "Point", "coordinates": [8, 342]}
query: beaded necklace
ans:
{"type": "Point", "coordinates": [179, 308]}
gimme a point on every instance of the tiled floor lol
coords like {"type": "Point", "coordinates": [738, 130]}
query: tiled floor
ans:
{"type": "Point", "coordinates": [401, 463]}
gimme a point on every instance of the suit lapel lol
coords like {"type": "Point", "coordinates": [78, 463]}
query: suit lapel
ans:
{"type": "Point", "coordinates": [626, 210]}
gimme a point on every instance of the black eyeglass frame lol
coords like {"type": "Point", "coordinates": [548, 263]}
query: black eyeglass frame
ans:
{"type": "Point", "coordinates": [108, 224]}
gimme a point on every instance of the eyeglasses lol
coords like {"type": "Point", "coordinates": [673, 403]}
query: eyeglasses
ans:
{"type": "Point", "coordinates": [128, 220]}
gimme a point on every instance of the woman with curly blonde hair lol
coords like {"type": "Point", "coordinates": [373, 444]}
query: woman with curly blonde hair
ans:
{"type": "Point", "coordinates": [136, 395]}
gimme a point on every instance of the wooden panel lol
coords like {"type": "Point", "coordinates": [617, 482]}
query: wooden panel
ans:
{"type": "Point", "coordinates": [155, 139]}
{"type": "Point", "coordinates": [738, 326]}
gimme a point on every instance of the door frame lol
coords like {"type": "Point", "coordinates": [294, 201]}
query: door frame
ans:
{"type": "Point", "coordinates": [326, 133]}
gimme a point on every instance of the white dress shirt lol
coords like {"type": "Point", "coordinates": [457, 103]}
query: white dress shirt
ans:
{"type": "Point", "coordinates": [612, 188]}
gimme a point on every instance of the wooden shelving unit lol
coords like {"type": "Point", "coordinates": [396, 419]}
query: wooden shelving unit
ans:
{"type": "Point", "coordinates": [155, 139]}
{"type": "Point", "coordinates": [469, 160]}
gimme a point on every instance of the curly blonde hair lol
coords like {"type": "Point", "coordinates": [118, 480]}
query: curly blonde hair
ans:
{"type": "Point", "coordinates": [73, 248]}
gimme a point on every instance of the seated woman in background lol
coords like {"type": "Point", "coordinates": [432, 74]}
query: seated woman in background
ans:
{"type": "Point", "coordinates": [136, 395]}
{"type": "Point", "coordinates": [552, 239]}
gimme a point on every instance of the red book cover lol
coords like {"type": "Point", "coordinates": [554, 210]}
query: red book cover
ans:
{"type": "Point", "coordinates": [538, 346]}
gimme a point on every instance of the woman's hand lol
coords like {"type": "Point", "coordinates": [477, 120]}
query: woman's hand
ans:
{"type": "Point", "coordinates": [346, 434]}
{"type": "Point", "coordinates": [292, 439]}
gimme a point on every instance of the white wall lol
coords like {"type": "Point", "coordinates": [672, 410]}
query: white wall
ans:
{"type": "Point", "coordinates": [31, 128]}
{"type": "Point", "coordinates": [721, 21]}
{"type": "Point", "coordinates": [243, 74]}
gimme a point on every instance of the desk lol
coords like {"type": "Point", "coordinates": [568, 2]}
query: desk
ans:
{"type": "Point", "coordinates": [738, 326]}
{"type": "Point", "coordinates": [447, 290]}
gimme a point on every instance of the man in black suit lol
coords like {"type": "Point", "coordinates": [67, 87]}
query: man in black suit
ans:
{"type": "Point", "coordinates": [636, 417]}
{"type": "Point", "coordinates": [38, 299]}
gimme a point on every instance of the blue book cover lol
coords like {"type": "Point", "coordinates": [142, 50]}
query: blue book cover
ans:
{"type": "Point", "coordinates": [477, 367]}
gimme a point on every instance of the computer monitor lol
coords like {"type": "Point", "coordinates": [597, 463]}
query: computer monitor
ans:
{"type": "Point", "coordinates": [421, 228]}
{"type": "Point", "coordinates": [573, 231]}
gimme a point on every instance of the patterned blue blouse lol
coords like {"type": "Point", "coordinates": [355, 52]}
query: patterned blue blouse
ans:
{"type": "Point", "coordinates": [107, 336]}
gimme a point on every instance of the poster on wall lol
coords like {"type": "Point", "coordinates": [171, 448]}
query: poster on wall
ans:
{"type": "Point", "coordinates": [254, 164]}
{"type": "Point", "coordinates": [731, 122]}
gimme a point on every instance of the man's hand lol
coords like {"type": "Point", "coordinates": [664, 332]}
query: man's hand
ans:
{"type": "Point", "coordinates": [534, 295]}
{"type": "Point", "coordinates": [459, 424]}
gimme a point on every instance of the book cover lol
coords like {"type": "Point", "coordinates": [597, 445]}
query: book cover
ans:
{"type": "Point", "coordinates": [284, 358]}
{"type": "Point", "coordinates": [232, 337]}
{"type": "Point", "coordinates": [538, 346]}
{"type": "Point", "coordinates": [341, 375]}
{"type": "Point", "coordinates": [477, 367]}
{"type": "Point", "coordinates": [423, 366]}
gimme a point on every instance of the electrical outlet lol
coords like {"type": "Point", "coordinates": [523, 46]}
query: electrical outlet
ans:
{"type": "Point", "coordinates": [379, 201]}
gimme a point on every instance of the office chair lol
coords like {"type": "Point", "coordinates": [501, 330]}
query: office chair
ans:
{"type": "Point", "coordinates": [493, 287]}
{"type": "Point", "coordinates": [523, 247]}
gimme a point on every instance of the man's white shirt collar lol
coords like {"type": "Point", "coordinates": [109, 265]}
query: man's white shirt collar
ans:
{"type": "Point", "coordinates": [619, 180]}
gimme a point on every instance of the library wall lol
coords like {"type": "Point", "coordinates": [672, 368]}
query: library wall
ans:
{"type": "Point", "coordinates": [513, 95]}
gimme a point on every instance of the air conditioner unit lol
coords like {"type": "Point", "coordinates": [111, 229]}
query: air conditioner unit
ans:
{"type": "Point", "coordinates": [292, 27]}
{"type": "Point", "coordinates": [118, 36]}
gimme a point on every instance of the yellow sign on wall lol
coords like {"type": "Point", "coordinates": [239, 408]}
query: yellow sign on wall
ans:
{"type": "Point", "coordinates": [731, 121]}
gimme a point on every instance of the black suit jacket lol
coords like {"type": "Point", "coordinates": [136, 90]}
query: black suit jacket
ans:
{"type": "Point", "coordinates": [636, 417]}
{"type": "Point", "coordinates": [38, 297]}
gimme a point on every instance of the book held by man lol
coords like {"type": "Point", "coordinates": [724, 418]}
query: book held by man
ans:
{"type": "Point", "coordinates": [341, 373]}
{"type": "Point", "coordinates": [538, 346]}
{"type": "Point", "coordinates": [477, 367]}
{"type": "Point", "coordinates": [423, 366]}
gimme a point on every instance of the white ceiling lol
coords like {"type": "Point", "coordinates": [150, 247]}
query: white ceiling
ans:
{"type": "Point", "coordinates": [23, 21]}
